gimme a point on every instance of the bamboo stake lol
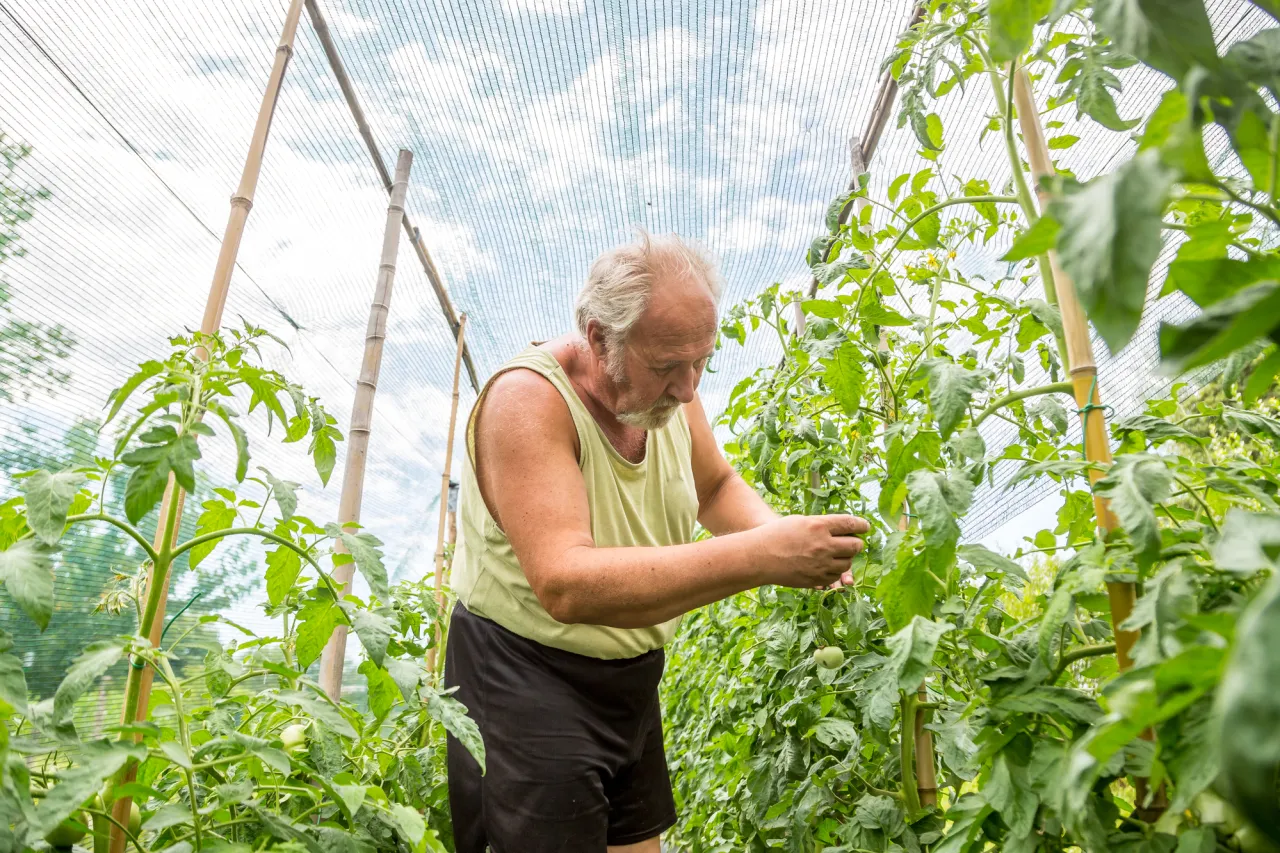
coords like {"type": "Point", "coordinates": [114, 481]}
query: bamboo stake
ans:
{"type": "Point", "coordinates": [1083, 367]}
{"type": "Point", "coordinates": [362, 125]}
{"type": "Point", "coordinates": [334, 654]}
{"type": "Point", "coordinates": [441, 529]}
{"type": "Point", "coordinates": [241, 203]}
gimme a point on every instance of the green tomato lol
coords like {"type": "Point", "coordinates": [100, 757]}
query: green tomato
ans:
{"type": "Point", "coordinates": [294, 737]}
{"type": "Point", "coordinates": [829, 657]}
{"type": "Point", "coordinates": [67, 833]}
{"type": "Point", "coordinates": [1251, 840]}
{"type": "Point", "coordinates": [135, 818]}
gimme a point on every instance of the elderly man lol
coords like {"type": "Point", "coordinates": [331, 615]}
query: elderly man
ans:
{"type": "Point", "coordinates": [590, 459]}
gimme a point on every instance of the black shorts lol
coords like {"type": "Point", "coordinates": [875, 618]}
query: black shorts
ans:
{"type": "Point", "coordinates": [573, 745]}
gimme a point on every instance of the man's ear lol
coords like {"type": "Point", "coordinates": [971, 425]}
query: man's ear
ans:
{"type": "Point", "coordinates": [596, 340]}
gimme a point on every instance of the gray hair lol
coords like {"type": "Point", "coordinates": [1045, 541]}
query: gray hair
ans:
{"type": "Point", "coordinates": [621, 280]}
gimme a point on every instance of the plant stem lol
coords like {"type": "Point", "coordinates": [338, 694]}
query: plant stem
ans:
{"type": "Point", "coordinates": [1080, 654]}
{"type": "Point", "coordinates": [910, 796]}
{"type": "Point", "coordinates": [123, 525]}
{"type": "Point", "coordinates": [1015, 396]}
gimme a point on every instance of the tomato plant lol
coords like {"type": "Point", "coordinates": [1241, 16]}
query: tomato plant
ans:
{"type": "Point", "coordinates": [957, 721]}
{"type": "Point", "coordinates": [245, 749]}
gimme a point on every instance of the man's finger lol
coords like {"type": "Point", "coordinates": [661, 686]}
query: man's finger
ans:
{"type": "Point", "coordinates": [846, 546]}
{"type": "Point", "coordinates": [844, 525]}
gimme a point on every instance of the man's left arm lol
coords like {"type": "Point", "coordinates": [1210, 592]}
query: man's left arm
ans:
{"type": "Point", "coordinates": [726, 504]}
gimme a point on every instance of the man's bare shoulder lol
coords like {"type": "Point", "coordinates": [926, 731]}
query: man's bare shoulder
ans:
{"type": "Point", "coordinates": [523, 407]}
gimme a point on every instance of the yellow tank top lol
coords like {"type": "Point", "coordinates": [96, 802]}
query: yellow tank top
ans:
{"type": "Point", "coordinates": [649, 503]}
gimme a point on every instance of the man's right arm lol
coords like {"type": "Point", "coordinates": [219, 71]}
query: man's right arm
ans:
{"type": "Point", "coordinates": [531, 482]}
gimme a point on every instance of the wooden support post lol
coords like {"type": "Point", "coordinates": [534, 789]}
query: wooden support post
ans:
{"type": "Point", "coordinates": [1084, 379]}
{"type": "Point", "coordinates": [1083, 367]}
{"type": "Point", "coordinates": [334, 654]}
{"type": "Point", "coordinates": [442, 527]}
{"type": "Point", "coordinates": [241, 203]}
{"type": "Point", "coordinates": [362, 125]}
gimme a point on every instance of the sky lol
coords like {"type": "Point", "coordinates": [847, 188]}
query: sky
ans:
{"type": "Point", "coordinates": [543, 131]}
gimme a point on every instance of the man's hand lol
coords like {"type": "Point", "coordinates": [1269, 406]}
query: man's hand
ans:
{"type": "Point", "coordinates": [809, 551]}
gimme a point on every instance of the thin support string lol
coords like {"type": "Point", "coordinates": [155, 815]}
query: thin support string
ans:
{"type": "Point", "coordinates": [137, 662]}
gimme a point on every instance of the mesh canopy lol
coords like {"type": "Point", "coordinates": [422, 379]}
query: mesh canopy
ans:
{"type": "Point", "coordinates": [543, 130]}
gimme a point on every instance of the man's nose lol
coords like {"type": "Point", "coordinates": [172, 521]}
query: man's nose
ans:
{"type": "Point", "coordinates": [684, 385]}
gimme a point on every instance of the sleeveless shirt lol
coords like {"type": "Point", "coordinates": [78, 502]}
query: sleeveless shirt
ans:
{"type": "Point", "coordinates": [648, 503]}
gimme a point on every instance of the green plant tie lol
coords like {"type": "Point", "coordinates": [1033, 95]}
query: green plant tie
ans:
{"type": "Point", "coordinates": [136, 663]}
{"type": "Point", "coordinates": [193, 600]}
{"type": "Point", "coordinates": [1084, 411]}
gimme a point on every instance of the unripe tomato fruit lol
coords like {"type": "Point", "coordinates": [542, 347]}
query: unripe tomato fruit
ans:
{"type": "Point", "coordinates": [294, 737]}
{"type": "Point", "coordinates": [67, 833]}
{"type": "Point", "coordinates": [1252, 841]}
{"type": "Point", "coordinates": [829, 657]}
{"type": "Point", "coordinates": [135, 818]}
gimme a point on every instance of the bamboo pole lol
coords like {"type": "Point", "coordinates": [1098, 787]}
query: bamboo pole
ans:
{"type": "Point", "coordinates": [1083, 367]}
{"type": "Point", "coordinates": [362, 125]}
{"type": "Point", "coordinates": [334, 654]}
{"type": "Point", "coordinates": [442, 527]}
{"type": "Point", "coordinates": [241, 203]}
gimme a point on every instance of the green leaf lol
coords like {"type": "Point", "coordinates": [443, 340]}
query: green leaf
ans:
{"type": "Point", "coordinates": [1225, 326]}
{"type": "Point", "coordinates": [317, 620]}
{"type": "Point", "coordinates": [84, 671]}
{"type": "Point", "coordinates": [951, 388]}
{"type": "Point", "coordinates": [845, 376]}
{"type": "Point", "coordinates": [373, 627]}
{"type": "Point", "coordinates": [1157, 430]}
{"type": "Point", "coordinates": [1205, 272]}
{"type": "Point", "coordinates": [48, 498]}
{"type": "Point", "coordinates": [1248, 706]}
{"type": "Point", "coordinates": [1171, 131]}
{"type": "Point", "coordinates": [911, 651]}
{"type": "Point", "coordinates": [276, 759]}
{"type": "Point", "coordinates": [824, 308]}
{"type": "Point", "coordinates": [366, 550]}
{"type": "Point", "coordinates": [452, 714]}
{"type": "Point", "coordinates": [835, 733]}
{"type": "Point", "coordinates": [26, 568]}
{"type": "Point", "coordinates": [907, 590]}
{"type": "Point", "coordinates": [1110, 238]}
{"type": "Point", "coordinates": [216, 516]}
{"type": "Point", "coordinates": [933, 128]}
{"type": "Point", "coordinates": [1254, 423]}
{"type": "Point", "coordinates": [80, 783]}
{"type": "Point", "coordinates": [1011, 24]}
{"type": "Point", "coordinates": [13, 682]}
{"type": "Point", "coordinates": [1050, 410]}
{"type": "Point", "coordinates": [411, 824]}
{"type": "Point", "coordinates": [147, 482]}
{"type": "Point", "coordinates": [241, 440]}
{"type": "Point", "coordinates": [407, 675]}
{"type": "Point", "coordinates": [1249, 542]}
{"type": "Point", "coordinates": [119, 396]}
{"type": "Point", "coordinates": [1009, 791]}
{"type": "Point", "coordinates": [1036, 240]}
{"type": "Point", "coordinates": [285, 492]}
{"type": "Point", "coordinates": [937, 499]}
{"type": "Point", "coordinates": [319, 708]}
{"type": "Point", "coordinates": [1169, 35]}
{"type": "Point", "coordinates": [325, 453]}
{"type": "Point", "coordinates": [382, 688]}
{"type": "Point", "coordinates": [985, 560]}
{"type": "Point", "coordinates": [1062, 141]}
{"type": "Point", "coordinates": [967, 816]}
{"type": "Point", "coordinates": [895, 186]}
{"type": "Point", "coordinates": [284, 828]}
{"type": "Point", "coordinates": [283, 567]}
{"type": "Point", "coordinates": [1135, 484]}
